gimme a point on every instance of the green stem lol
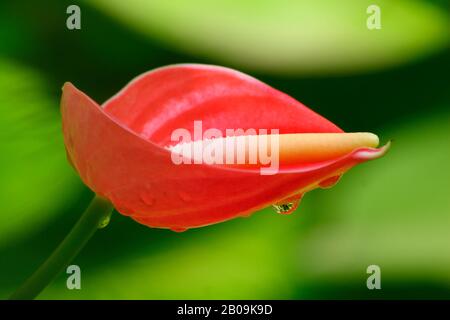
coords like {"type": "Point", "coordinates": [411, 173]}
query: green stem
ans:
{"type": "Point", "coordinates": [93, 218]}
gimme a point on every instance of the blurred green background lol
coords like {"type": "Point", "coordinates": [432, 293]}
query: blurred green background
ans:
{"type": "Point", "coordinates": [393, 212]}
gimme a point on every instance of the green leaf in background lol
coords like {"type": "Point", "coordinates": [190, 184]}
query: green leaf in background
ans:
{"type": "Point", "coordinates": [35, 179]}
{"type": "Point", "coordinates": [292, 37]}
{"type": "Point", "coordinates": [240, 259]}
{"type": "Point", "coordinates": [375, 215]}
{"type": "Point", "coordinates": [394, 213]}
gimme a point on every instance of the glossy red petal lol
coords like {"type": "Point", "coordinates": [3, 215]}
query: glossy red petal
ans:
{"type": "Point", "coordinates": [119, 151]}
{"type": "Point", "coordinates": [167, 98]}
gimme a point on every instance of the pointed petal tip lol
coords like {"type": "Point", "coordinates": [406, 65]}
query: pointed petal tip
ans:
{"type": "Point", "coordinates": [373, 153]}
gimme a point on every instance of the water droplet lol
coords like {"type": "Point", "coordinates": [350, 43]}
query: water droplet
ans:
{"type": "Point", "coordinates": [177, 229]}
{"type": "Point", "coordinates": [104, 222]}
{"type": "Point", "coordinates": [147, 199]}
{"type": "Point", "coordinates": [286, 207]}
{"type": "Point", "coordinates": [329, 182]}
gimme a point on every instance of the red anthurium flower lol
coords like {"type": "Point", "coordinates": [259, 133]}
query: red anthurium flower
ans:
{"type": "Point", "coordinates": [123, 149]}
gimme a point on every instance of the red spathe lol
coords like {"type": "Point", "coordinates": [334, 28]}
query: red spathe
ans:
{"type": "Point", "coordinates": [119, 149]}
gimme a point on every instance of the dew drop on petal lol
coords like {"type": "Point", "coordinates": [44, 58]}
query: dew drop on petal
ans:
{"type": "Point", "coordinates": [284, 208]}
{"type": "Point", "coordinates": [288, 206]}
{"type": "Point", "coordinates": [176, 229]}
{"type": "Point", "coordinates": [329, 182]}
